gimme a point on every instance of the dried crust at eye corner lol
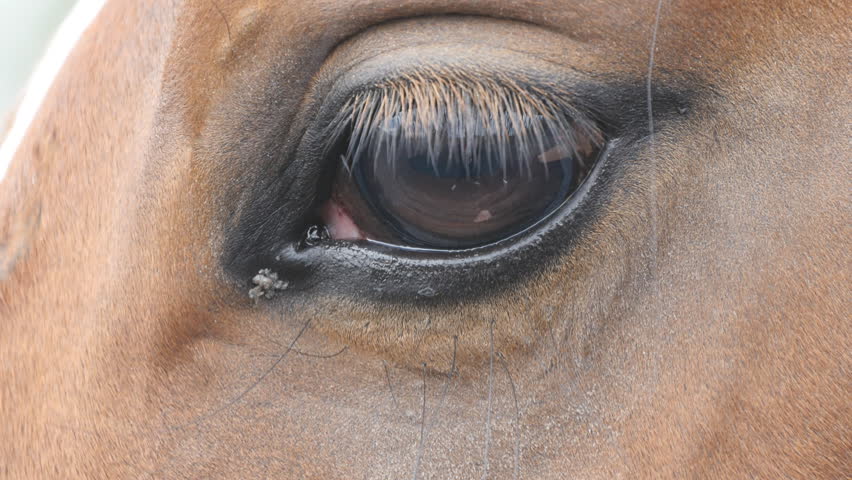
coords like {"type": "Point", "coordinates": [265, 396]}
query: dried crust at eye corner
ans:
{"type": "Point", "coordinates": [266, 285]}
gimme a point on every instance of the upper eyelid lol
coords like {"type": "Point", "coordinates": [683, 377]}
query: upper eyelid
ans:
{"type": "Point", "coordinates": [457, 108]}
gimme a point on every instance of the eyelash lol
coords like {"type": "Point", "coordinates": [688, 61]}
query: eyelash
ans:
{"type": "Point", "coordinates": [462, 116]}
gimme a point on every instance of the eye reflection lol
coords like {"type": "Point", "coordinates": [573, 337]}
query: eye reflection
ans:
{"type": "Point", "coordinates": [459, 171]}
{"type": "Point", "coordinates": [438, 202]}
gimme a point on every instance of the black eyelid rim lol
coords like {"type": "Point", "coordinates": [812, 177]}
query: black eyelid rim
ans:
{"type": "Point", "coordinates": [442, 275]}
{"type": "Point", "coordinates": [501, 245]}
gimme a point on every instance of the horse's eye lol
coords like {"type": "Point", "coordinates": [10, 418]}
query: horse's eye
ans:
{"type": "Point", "coordinates": [444, 177]}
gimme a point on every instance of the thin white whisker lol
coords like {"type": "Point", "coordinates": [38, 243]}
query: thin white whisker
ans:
{"type": "Point", "coordinates": [651, 139]}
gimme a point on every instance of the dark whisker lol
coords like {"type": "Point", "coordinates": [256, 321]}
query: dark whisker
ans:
{"type": "Point", "coordinates": [490, 392]}
{"type": "Point", "coordinates": [248, 389]}
{"type": "Point", "coordinates": [438, 409]}
{"type": "Point", "coordinates": [390, 386]}
{"type": "Point", "coordinates": [310, 354]}
{"type": "Point", "coordinates": [422, 426]}
{"type": "Point", "coordinates": [516, 427]}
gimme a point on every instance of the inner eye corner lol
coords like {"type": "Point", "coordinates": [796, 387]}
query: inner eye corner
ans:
{"type": "Point", "coordinates": [443, 170]}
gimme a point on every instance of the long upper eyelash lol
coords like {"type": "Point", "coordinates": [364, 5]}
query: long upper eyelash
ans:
{"type": "Point", "coordinates": [462, 116]}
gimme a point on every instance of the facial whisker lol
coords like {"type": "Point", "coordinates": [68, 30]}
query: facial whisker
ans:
{"type": "Point", "coordinates": [516, 466]}
{"type": "Point", "coordinates": [485, 458]}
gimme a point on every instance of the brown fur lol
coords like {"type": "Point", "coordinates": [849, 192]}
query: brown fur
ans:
{"type": "Point", "coordinates": [127, 351]}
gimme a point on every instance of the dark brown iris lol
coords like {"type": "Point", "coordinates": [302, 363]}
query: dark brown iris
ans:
{"type": "Point", "coordinates": [435, 200]}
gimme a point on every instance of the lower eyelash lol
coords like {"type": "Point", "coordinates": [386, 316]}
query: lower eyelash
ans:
{"type": "Point", "coordinates": [459, 120]}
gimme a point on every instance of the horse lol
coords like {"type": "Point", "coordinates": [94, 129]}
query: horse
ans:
{"type": "Point", "coordinates": [193, 286]}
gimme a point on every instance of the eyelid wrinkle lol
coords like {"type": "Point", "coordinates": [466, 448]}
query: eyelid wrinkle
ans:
{"type": "Point", "coordinates": [461, 115]}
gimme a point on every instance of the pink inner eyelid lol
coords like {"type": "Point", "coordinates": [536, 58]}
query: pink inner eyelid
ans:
{"type": "Point", "coordinates": [340, 225]}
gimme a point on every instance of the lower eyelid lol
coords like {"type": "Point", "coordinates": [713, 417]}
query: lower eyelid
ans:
{"type": "Point", "coordinates": [390, 273]}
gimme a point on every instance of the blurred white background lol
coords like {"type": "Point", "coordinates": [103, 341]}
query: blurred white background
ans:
{"type": "Point", "coordinates": [26, 27]}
